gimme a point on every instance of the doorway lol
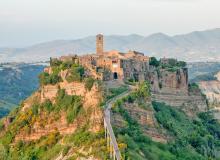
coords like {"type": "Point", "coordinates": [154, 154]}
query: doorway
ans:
{"type": "Point", "coordinates": [115, 75]}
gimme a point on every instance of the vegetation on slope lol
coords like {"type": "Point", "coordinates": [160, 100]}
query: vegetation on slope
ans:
{"type": "Point", "coordinates": [75, 73]}
{"type": "Point", "coordinates": [198, 135]}
{"type": "Point", "coordinates": [113, 92]}
{"type": "Point", "coordinates": [135, 144]}
{"type": "Point", "coordinates": [48, 147]}
{"type": "Point", "coordinates": [193, 139]}
{"type": "Point", "coordinates": [170, 64]}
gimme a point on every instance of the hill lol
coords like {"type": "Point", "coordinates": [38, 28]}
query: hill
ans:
{"type": "Point", "coordinates": [18, 81]}
{"type": "Point", "coordinates": [203, 71]}
{"type": "Point", "coordinates": [63, 119]}
{"type": "Point", "coordinates": [195, 46]}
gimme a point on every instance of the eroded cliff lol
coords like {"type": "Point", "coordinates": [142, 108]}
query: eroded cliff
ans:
{"type": "Point", "coordinates": [63, 117]}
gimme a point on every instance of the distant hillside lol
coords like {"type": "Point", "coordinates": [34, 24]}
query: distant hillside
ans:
{"type": "Point", "coordinates": [195, 46]}
{"type": "Point", "coordinates": [203, 71]}
{"type": "Point", "coordinates": [17, 82]}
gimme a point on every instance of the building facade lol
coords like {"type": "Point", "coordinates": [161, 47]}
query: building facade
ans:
{"type": "Point", "coordinates": [111, 65]}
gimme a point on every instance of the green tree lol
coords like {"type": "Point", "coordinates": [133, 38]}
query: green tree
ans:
{"type": "Point", "coordinates": [154, 62]}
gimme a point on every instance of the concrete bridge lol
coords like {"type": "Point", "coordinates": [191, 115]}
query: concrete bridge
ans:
{"type": "Point", "coordinates": [109, 133]}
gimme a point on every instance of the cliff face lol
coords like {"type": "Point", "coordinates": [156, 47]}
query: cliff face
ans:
{"type": "Point", "coordinates": [51, 123]}
{"type": "Point", "coordinates": [57, 115]}
{"type": "Point", "coordinates": [169, 82]}
{"type": "Point", "coordinates": [212, 91]}
{"type": "Point", "coordinates": [172, 88]}
{"type": "Point", "coordinates": [66, 110]}
{"type": "Point", "coordinates": [144, 117]}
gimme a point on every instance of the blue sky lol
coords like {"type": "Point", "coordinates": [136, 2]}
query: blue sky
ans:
{"type": "Point", "coordinates": [26, 22]}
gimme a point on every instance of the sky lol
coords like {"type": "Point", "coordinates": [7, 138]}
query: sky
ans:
{"type": "Point", "coordinates": [27, 22]}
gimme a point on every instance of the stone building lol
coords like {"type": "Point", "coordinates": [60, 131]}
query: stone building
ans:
{"type": "Point", "coordinates": [114, 64]}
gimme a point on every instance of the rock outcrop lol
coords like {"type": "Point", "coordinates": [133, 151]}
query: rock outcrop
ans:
{"type": "Point", "coordinates": [57, 123]}
{"type": "Point", "coordinates": [212, 91]}
{"type": "Point", "coordinates": [169, 82]}
{"type": "Point", "coordinates": [144, 117]}
{"type": "Point", "coordinates": [171, 87]}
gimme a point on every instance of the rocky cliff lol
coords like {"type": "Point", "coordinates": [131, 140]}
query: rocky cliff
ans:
{"type": "Point", "coordinates": [172, 88]}
{"type": "Point", "coordinates": [55, 117]}
{"type": "Point", "coordinates": [212, 91]}
{"type": "Point", "coordinates": [51, 122]}
{"type": "Point", "coordinates": [169, 82]}
{"type": "Point", "coordinates": [64, 118]}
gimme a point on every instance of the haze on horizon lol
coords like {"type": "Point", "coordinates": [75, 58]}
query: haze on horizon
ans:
{"type": "Point", "coordinates": [26, 22]}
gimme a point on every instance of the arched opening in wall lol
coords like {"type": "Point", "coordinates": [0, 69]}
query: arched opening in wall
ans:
{"type": "Point", "coordinates": [115, 75]}
{"type": "Point", "coordinates": [136, 77]}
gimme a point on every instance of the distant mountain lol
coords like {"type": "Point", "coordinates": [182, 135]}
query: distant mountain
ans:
{"type": "Point", "coordinates": [195, 46]}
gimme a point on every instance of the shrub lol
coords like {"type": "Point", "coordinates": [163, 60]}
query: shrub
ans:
{"type": "Point", "coordinates": [71, 104]}
{"type": "Point", "coordinates": [143, 89]}
{"type": "Point", "coordinates": [116, 91]}
{"type": "Point", "coordinates": [154, 62]}
{"type": "Point", "coordinates": [55, 62]}
{"type": "Point", "coordinates": [76, 73]}
{"type": "Point", "coordinates": [48, 105]}
{"type": "Point", "coordinates": [45, 78]}
{"type": "Point", "coordinates": [51, 139]}
{"type": "Point", "coordinates": [89, 83]}
{"type": "Point", "coordinates": [181, 64]}
{"type": "Point", "coordinates": [66, 150]}
{"type": "Point", "coordinates": [35, 108]}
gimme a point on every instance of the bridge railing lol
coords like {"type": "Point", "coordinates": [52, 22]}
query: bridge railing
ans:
{"type": "Point", "coordinates": [112, 140]}
{"type": "Point", "coordinates": [109, 133]}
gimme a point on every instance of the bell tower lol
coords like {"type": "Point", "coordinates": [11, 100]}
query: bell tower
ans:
{"type": "Point", "coordinates": [99, 44]}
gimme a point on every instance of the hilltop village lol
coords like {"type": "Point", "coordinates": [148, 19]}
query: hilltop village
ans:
{"type": "Point", "coordinates": [112, 65]}
{"type": "Point", "coordinates": [108, 105]}
{"type": "Point", "coordinates": [172, 77]}
{"type": "Point", "coordinates": [168, 77]}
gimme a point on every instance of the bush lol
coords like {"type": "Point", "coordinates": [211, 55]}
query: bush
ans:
{"type": "Point", "coordinates": [35, 108]}
{"type": "Point", "coordinates": [76, 74]}
{"type": "Point", "coordinates": [55, 62]}
{"type": "Point", "coordinates": [45, 78]}
{"type": "Point", "coordinates": [116, 91]}
{"type": "Point", "coordinates": [89, 83]}
{"type": "Point", "coordinates": [71, 104]}
{"type": "Point", "coordinates": [143, 89]}
{"type": "Point", "coordinates": [48, 105]}
{"type": "Point", "coordinates": [154, 62]}
{"type": "Point", "coordinates": [181, 64]}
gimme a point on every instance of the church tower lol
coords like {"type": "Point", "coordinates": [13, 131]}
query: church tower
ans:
{"type": "Point", "coordinates": [99, 44]}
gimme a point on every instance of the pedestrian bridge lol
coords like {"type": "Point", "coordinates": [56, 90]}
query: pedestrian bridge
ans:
{"type": "Point", "coordinates": [112, 144]}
